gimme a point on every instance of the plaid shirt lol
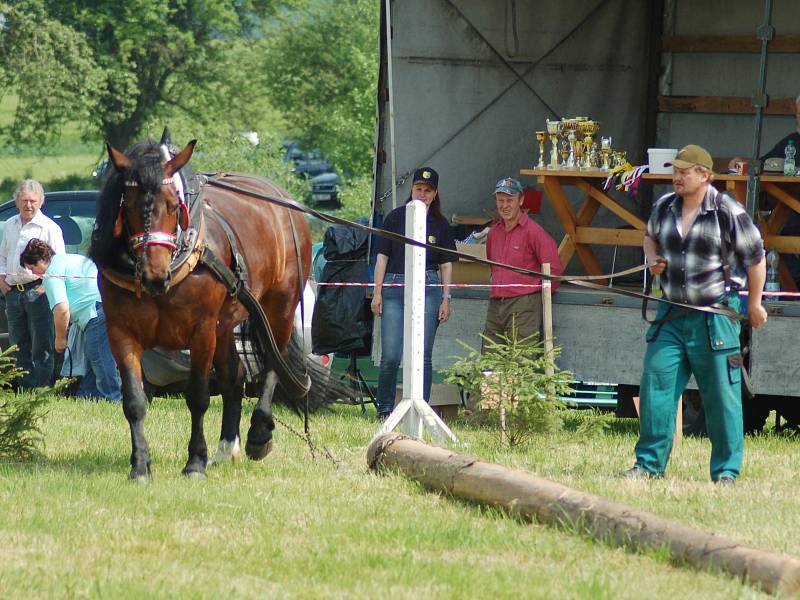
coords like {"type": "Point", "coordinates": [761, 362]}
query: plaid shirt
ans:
{"type": "Point", "coordinates": [694, 261]}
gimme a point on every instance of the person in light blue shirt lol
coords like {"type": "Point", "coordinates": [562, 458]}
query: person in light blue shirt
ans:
{"type": "Point", "coordinates": [70, 282]}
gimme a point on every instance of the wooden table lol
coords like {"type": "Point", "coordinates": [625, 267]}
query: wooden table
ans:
{"type": "Point", "coordinates": [580, 234]}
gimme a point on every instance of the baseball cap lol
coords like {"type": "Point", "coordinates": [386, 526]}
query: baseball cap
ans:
{"type": "Point", "coordinates": [507, 185]}
{"type": "Point", "coordinates": [426, 175]}
{"type": "Point", "coordinates": [692, 156]}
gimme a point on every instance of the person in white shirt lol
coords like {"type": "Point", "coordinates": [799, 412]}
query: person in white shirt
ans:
{"type": "Point", "coordinates": [30, 321]}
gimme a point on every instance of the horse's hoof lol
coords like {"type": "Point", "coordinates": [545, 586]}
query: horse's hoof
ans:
{"type": "Point", "coordinates": [258, 451]}
{"type": "Point", "coordinates": [226, 452]}
{"type": "Point", "coordinates": [197, 475]}
{"type": "Point", "coordinates": [140, 477]}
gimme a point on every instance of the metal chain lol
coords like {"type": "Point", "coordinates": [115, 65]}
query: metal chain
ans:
{"type": "Point", "coordinates": [307, 439]}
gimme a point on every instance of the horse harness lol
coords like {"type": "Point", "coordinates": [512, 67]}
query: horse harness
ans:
{"type": "Point", "coordinates": [190, 250]}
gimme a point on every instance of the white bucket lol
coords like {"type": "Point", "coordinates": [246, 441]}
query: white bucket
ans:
{"type": "Point", "coordinates": [659, 156]}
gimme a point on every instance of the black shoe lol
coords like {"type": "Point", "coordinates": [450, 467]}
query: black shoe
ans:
{"type": "Point", "coordinates": [637, 472]}
{"type": "Point", "coordinates": [725, 481]}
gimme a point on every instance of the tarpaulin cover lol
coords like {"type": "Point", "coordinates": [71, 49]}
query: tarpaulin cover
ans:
{"type": "Point", "coordinates": [341, 321]}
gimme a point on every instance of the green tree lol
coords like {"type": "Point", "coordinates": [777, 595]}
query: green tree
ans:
{"type": "Point", "coordinates": [321, 67]}
{"type": "Point", "coordinates": [115, 65]}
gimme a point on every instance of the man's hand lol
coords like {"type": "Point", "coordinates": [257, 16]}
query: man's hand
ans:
{"type": "Point", "coordinates": [659, 266]}
{"type": "Point", "coordinates": [4, 287]}
{"type": "Point", "coordinates": [757, 314]}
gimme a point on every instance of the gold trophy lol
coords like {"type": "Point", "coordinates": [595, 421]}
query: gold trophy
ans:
{"type": "Point", "coordinates": [588, 129]}
{"type": "Point", "coordinates": [553, 129]}
{"type": "Point", "coordinates": [541, 136]}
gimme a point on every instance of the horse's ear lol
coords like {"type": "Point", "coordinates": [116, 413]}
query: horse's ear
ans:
{"type": "Point", "coordinates": [165, 138]}
{"type": "Point", "coordinates": [177, 163]}
{"type": "Point", "coordinates": [118, 159]}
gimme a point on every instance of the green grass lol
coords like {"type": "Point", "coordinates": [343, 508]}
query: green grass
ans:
{"type": "Point", "coordinates": [74, 526]}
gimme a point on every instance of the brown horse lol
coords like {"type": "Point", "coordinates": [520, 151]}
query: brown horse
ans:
{"type": "Point", "coordinates": [136, 238]}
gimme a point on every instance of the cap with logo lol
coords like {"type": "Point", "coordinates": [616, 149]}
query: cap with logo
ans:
{"type": "Point", "coordinates": [692, 156]}
{"type": "Point", "coordinates": [508, 185]}
{"type": "Point", "coordinates": [426, 175]}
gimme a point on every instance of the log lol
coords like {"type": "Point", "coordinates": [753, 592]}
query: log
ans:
{"type": "Point", "coordinates": [530, 497]}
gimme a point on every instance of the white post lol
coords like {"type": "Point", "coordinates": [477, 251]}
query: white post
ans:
{"type": "Point", "coordinates": [414, 312]}
{"type": "Point", "coordinates": [413, 414]}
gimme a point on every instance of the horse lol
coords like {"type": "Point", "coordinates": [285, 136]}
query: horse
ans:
{"type": "Point", "coordinates": [266, 250]}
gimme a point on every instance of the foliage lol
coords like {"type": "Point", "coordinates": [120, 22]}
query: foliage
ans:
{"type": "Point", "coordinates": [356, 196]}
{"type": "Point", "coordinates": [512, 381]}
{"type": "Point", "coordinates": [114, 65]}
{"type": "Point", "coordinates": [21, 438]}
{"type": "Point", "coordinates": [321, 71]}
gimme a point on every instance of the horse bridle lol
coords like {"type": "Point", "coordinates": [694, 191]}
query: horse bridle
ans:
{"type": "Point", "coordinates": [140, 240]}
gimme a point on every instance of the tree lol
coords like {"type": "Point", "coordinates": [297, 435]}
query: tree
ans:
{"type": "Point", "coordinates": [115, 64]}
{"type": "Point", "coordinates": [321, 68]}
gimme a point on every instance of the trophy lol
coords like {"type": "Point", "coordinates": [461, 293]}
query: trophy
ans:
{"type": "Point", "coordinates": [553, 129]}
{"type": "Point", "coordinates": [541, 136]}
{"type": "Point", "coordinates": [605, 150]}
{"type": "Point", "coordinates": [564, 153]}
{"type": "Point", "coordinates": [571, 159]}
{"type": "Point", "coordinates": [588, 129]}
{"type": "Point", "coordinates": [620, 158]}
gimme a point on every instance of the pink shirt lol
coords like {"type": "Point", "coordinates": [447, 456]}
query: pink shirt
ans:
{"type": "Point", "coordinates": [527, 245]}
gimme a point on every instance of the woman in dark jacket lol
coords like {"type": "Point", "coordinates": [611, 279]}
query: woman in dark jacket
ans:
{"type": "Point", "coordinates": [387, 302]}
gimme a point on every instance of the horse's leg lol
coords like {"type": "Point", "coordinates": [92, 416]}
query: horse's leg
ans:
{"type": "Point", "coordinates": [134, 405]}
{"type": "Point", "coordinates": [197, 397]}
{"type": "Point", "coordinates": [230, 376]}
{"type": "Point", "coordinates": [259, 437]}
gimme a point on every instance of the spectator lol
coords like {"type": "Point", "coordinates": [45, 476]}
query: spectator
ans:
{"type": "Point", "coordinates": [30, 323]}
{"type": "Point", "coordinates": [390, 268]}
{"type": "Point", "coordinates": [519, 241]}
{"type": "Point", "coordinates": [71, 286]}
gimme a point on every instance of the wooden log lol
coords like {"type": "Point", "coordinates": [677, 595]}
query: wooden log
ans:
{"type": "Point", "coordinates": [531, 497]}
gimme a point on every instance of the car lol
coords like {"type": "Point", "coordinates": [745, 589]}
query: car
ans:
{"type": "Point", "coordinates": [164, 371]}
{"type": "Point", "coordinates": [325, 191]}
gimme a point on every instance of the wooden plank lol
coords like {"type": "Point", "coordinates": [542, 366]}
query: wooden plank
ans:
{"type": "Point", "coordinates": [734, 105]}
{"type": "Point", "coordinates": [610, 204]}
{"type": "Point", "coordinates": [744, 44]}
{"type": "Point", "coordinates": [607, 236]}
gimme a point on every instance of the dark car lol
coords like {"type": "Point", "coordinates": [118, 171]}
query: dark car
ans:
{"type": "Point", "coordinates": [325, 191]}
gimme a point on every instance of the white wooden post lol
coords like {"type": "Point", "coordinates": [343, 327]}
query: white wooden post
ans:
{"type": "Point", "coordinates": [413, 414]}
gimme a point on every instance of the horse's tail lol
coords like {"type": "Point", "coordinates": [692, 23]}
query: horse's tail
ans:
{"type": "Point", "coordinates": [325, 389]}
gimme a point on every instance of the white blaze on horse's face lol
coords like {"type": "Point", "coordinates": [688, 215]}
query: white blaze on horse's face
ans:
{"type": "Point", "coordinates": [149, 213]}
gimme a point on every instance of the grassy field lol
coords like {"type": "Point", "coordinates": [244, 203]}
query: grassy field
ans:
{"type": "Point", "coordinates": [73, 526]}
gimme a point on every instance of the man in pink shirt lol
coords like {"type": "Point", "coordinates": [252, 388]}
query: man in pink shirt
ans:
{"type": "Point", "coordinates": [519, 241]}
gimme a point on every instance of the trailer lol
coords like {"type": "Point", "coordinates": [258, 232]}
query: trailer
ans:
{"type": "Point", "coordinates": [471, 83]}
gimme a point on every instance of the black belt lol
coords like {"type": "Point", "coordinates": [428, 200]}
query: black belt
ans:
{"type": "Point", "coordinates": [24, 287]}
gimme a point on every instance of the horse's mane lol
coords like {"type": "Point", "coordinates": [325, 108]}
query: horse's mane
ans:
{"type": "Point", "coordinates": [106, 250]}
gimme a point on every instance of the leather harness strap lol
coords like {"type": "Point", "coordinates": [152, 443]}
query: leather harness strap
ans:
{"type": "Point", "coordinates": [235, 281]}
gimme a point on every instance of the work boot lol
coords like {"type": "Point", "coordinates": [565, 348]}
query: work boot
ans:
{"type": "Point", "coordinates": [725, 481]}
{"type": "Point", "coordinates": [637, 472]}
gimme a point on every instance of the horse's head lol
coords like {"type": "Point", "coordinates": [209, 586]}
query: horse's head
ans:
{"type": "Point", "coordinates": [150, 210]}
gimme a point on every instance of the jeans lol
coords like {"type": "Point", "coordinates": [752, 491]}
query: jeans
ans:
{"type": "Point", "coordinates": [102, 378]}
{"type": "Point", "coordinates": [392, 337]}
{"type": "Point", "coordinates": [30, 328]}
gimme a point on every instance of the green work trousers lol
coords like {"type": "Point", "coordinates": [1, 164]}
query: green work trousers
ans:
{"type": "Point", "coordinates": [706, 345]}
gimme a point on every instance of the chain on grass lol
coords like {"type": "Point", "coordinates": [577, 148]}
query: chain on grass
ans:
{"type": "Point", "coordinates": [307, 439]}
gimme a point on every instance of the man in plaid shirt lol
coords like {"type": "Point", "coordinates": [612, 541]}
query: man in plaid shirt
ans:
{"type": "Point", "coordinates": [687, 233]}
